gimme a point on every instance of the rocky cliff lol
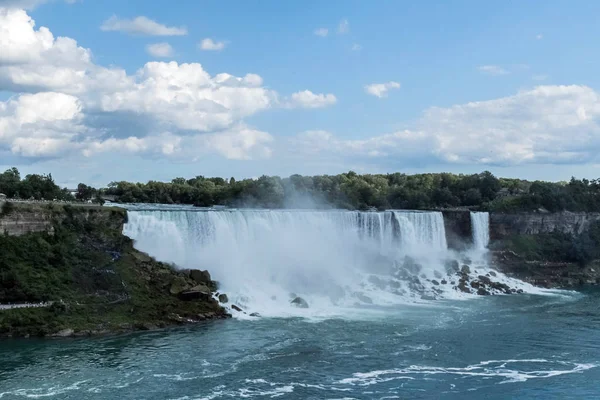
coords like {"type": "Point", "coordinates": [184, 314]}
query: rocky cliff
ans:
{"type": "Point", "coordinates": [75, 261]}
{"type": "Point", "coordinates": [457, 224]}
{"type": "Point", "coordinates": [503, 225]}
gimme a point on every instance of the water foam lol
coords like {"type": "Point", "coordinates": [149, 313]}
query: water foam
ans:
{"type": "Point", "coordinates": [335, 260]}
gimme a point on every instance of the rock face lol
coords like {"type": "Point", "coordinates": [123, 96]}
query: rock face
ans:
{"type": "Point", "coordinates": [113, 287]}
{"type": "Point", "coordinates": [504, 225]}
{"type": "Point", "coordinates": [457, 224]}
{"type": "Point", "coordinates": [223, 298]}
{"type": "Point", "coordinates": [200, 276]}
{"type": "Point", "coordinates": [299, 302]}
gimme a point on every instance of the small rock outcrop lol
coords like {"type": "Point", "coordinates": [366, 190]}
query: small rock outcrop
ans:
{"type": "Point", "coordinates": [200, 276]}
{"type": "Point", "coordinates": [179, 285]}
{"type": "Point", "coordinates": [236, 308]}
{"type": "Point", "coordinates": [197, 292]}
{"type": "Point", "coordinates": [223, 298]}
{"type": "Point", "coordinates": [299, 302]}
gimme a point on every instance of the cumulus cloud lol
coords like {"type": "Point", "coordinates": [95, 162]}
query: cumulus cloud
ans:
{"type": "Point", "coordinates": [141, 26]}
{"type": "Point", "coordinates": [159, 50]}
{"type": "Point", "coordinates": [323, 32]}
{"type": "Point", "coordinates": [308, 99]}
{"type": "Point", "coordinates": [493, 70]}
{"type": "Point", "coordinates": [547, 124]}
{"type": "Point", "coordinates": [41, 124]}
{"type": "Point", "coordinates": [65, 103]}
{"type": "Point", "coordinates": [343, 27]}
{"type": "Point", "coordinates": [380, 89]}
{"type": "Point", "coordinates": [211, 45]}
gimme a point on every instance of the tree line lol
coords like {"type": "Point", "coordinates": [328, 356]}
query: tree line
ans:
{"type": "Point", "coordinates": [349, 190]}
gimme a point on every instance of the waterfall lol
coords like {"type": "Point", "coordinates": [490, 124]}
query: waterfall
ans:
{"type": "Point", "coordinates": [333, 259]}
{"type": "Point", "coordinates": [480, 226]}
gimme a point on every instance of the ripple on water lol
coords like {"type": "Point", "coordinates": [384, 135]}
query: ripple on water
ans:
{"type": "Point", "coordinates": [504, 371]}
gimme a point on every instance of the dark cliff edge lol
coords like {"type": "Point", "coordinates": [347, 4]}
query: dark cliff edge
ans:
{"type": "Point", "coordinates": [67, 270]}
{"type": "Point", "coordinates": [553, 250]}
{"type": "Point", "coordinates": [457, 224]}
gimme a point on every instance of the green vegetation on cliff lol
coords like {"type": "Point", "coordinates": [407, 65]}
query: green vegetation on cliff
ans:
{"type": "Point", "coordinates": [556, 246]}
{"type": "Point", "coordinates": [92, 275]}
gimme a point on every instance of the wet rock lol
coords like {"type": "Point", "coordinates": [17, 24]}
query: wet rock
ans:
{"type": "Point", "coordinates": [453, 283]}
{"type": "Point", "coordinates": [519, 291]}
{"type": "Point", "coordinates": [462, 286]}
{"type": "Point", "coordinates": [197, 292]}
{"type": "Point", "coordinates": [444, 282]}
{"type": "Point", "coordinates": [236, 308]}
{"type": "Point", "coordinates": [501, 286]}
{"type": "Point", "coordinates": [437, 274]}
{"type": "Point", "coordinates": [178, 285]}
{"type": "Point", "coordinates": [200, 276]}
{"type": "Point", "coordinates": [146, 326]}
{"type": "Point", "coordinates": [435, 282]}
{"type": "Point", "coordinates": [492, 273]}
{"type": "Point", "coordinates": [402, 274]}
{"type": "Point", "coordinates": [64, 333]}
{"type": "Point", "coordinates": [452, 266]}
{"type": "Point", "coordinates": [484, 279]}
{"type": "Point", "coordinates": [482, 292]}
{"type": "Point", "coordinates": [475, 285]}
{"type": "Point", "coordinates": [223, 298]}
{"type": "Point", "coordinates": [427, 297]}
{"type": "Point", "coordinates": [141, 257]}
{"type": "Point", "coordinates": [465, 269]}
{"type": "Point", "coordinates": [299, 302]}
{"type": "Point", "coordinates": [255, 314]}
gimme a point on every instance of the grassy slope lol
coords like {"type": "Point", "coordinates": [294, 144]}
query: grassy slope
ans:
{"type": "Point", "coordinates": [92, 273]}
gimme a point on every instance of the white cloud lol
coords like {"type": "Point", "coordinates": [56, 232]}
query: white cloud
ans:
{"type": "Point", "coordinates": [548, 124]}
{"type": "Point", "coordinates": [141, 26]}
{"type": "Point", "coordinates": [380, 89]}
{"type": "Point", "coordinates": [343, 27]}
{"type": "Point", "coordinates": [356, 47]}
{"type": "Point", "coordinates": [493, 70]}
{"type": "Point", "coordinates": [211, 45]}
{"type": "Point", "coordinates": [323, 32]}
{"type": "Point", "coordinates": [539, 36]}
{"type": "Point", "coordinates": [69, 105]}
{"type": "Point", "coordinates": [41, 124]}
{"type": "Point", "coordinates": [308, 99]}
{"type": "Point", "coordinates": [24, 4]}
{"type": "Point", "coordinates": [160, 49]}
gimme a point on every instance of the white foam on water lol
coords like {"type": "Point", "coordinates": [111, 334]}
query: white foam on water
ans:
{"type": "Point", "coordinates": [340, 262]}
{"type": "Point", "coordinates": [506, 371]}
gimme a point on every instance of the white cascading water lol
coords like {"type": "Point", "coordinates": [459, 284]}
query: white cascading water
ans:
{"type": "Point", "coordinates": [480, 226]}
{"type": "Point", "coordinates": [332, 259]}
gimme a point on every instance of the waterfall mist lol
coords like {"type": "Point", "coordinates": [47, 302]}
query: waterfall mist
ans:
{"type": "Point", "coordinates": [333, 259]}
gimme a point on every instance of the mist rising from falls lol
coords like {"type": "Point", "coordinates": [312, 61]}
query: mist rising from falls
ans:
{"type": "Point", "coordinates": [332, 259]}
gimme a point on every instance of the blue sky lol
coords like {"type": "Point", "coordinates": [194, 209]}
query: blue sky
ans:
{"type": "Point", "coordinates": [99, 95]}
